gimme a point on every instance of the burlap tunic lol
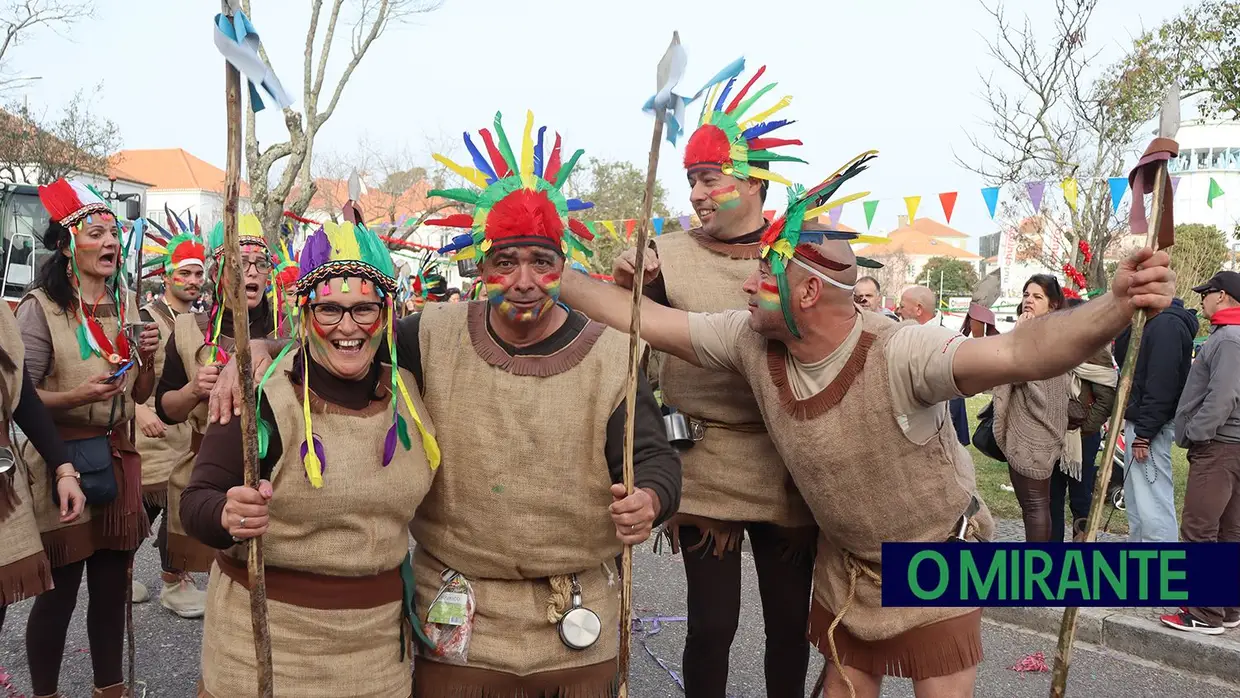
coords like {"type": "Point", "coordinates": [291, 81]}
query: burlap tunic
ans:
{"type": "Point", "coordinates": [24, 569]}
{"type": "Point", "coordinates": [355, 526]}
{"type": "Point", "coordinates": [121, 524]}
{"type": "Point", "coordinates": [866, 483]}
{"type": "Point", "coordinates": [159, 455]}
{"type": "Point", "coordinates": [522, 496]}
{"type": "Point", "coordinates": [734, 474]}
{"type": "Point", "coordinates": [184, 552]}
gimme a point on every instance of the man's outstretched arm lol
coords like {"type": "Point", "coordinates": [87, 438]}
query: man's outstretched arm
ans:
{"type": "Point", "coordinates": [1055, 343]}
{"type": "Point", "coordinates": [666, 329]}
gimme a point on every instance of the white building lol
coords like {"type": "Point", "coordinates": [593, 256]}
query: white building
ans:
{"type": "Point", "coordinates": [184, 183]}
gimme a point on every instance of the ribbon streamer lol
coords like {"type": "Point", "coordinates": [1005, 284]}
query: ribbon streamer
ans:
{"type": "Point", "coordinates": [672, 104]}
{"type": "Point", "coordinates": [239, 43]}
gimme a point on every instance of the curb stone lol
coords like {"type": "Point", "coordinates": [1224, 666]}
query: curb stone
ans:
{"type": "Point", "coordinates": [1137, 632]}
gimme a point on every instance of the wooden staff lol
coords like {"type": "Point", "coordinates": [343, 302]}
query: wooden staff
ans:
{"type": "Point", "coordinates": [630, 403]}
{"type": "Point", "coordinates": [234, 298]}
{"type": "Point", "coordinates": [1067, 629]}
{"type": "Point", "coordinates": [133, 439]}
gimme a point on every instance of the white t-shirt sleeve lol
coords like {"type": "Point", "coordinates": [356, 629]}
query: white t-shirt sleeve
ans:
{"type": "Point", "coordinates": [716, 338]}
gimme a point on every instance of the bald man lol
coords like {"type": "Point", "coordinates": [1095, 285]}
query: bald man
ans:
{"type": "Point", "coordinates": [917, 303]}
{"type": "Point", "coordinates": [906, 478]}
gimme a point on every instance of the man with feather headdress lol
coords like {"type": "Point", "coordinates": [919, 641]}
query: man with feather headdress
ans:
{"type": "Point", "coordinates": [734, 481]}
{"type": "Point", "coordinates": [178, 255]}
{"type": "Point", "coordinates": [518, 536]}
{"type": "Point", "coordinates": [814, 361]}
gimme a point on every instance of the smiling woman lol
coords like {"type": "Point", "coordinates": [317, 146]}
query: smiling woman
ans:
{"type": "Point", "coordinates": [335, 538]}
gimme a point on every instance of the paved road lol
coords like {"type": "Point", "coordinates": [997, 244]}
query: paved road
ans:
{"type": "Point", "coordinates": [167, 650]}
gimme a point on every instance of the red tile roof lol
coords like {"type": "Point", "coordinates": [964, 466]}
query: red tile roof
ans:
{"type": "Point", "coordinates": [172, 168]}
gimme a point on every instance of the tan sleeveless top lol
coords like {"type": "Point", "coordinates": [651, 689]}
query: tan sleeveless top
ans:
{"type": "Point", "coordinates": [732, 474]}
{"type": "Point", "coordinates": [357, 523]}
{"type": "Point", "coordinates": [523, 492]}
{"type": "Point", "coordinates": [68, 369]}
{"type": "Point", "coordinates": [865, 481]}
{"type": "Point", "coordinates": [159, 455]}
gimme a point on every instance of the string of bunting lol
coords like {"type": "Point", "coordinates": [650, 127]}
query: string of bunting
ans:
{"type": "Point", "coordinates": [1035, 190]}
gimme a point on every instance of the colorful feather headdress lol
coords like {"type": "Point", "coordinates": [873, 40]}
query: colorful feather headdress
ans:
{"type": "Point", "coordinates": [427, 282]}
{"type": "Point", "coordinates": [728, 142]}
{"type": "Point", "coordinates": [350, 252]}
{"type": "Point", "coordinates": [168, 251]}
{"type": "Point", "coordinates": [520, 201]}
{"type": "Point", "coordinates": [70, 204]}
{"type": "Point", "coordinates": [249, 233]}
{"type": "Point", "coordinates": [786, 241]}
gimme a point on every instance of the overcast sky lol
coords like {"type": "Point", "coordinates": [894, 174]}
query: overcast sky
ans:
{"type": "Point", "coordinates": [900, 76]}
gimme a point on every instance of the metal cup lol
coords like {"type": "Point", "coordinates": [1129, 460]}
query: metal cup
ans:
{"type": "Point", "coordinates": [7, 459]}
{"type": "Point", "coordinates": [679, 432]}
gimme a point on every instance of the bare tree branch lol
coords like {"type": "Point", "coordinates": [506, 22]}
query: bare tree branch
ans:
{"type": "Point", "coordinates": [19, 18]}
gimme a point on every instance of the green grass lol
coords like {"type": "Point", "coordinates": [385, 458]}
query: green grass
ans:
{"type": "Point", "coordinates": [992, 475]}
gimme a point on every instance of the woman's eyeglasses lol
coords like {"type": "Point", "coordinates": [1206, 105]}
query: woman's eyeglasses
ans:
{"type": "Point", "coordinates": [329, 314]}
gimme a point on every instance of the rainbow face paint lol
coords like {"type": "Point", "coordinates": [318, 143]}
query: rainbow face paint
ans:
{"type": "Point", "coordinates": [726, 197]}
{"type": "Point", "coordinates": [497, 286]}
{"type": "Point", "coordinates": [768, 295]}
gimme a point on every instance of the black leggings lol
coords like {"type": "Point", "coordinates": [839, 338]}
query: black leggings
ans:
{"type": "Point", "coordinates": [1035, 506]}
{"type": "Point", "coordinates": [107, 586]}
{"type": "Point", "coordinates": [714, 591]}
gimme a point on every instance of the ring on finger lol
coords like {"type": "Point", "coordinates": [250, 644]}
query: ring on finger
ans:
{"type": "Point", "coordinates": [242, 522]}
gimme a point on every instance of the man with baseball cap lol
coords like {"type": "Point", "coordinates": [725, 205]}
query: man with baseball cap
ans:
{"type": "Point", "coordinates": [1207, 423]}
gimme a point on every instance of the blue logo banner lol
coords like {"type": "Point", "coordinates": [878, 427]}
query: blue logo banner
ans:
{"type": "Point", "coordinates": [1061, 574]}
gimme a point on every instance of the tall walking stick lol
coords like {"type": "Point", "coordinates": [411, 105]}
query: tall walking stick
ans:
{"type": "Point", "coordinates": [234, 296]}
{"type": "Point", "coordinates": [139, 234]}
{"type": "Point", "coordinates": [635, 327]}
{"type": "Point", "coordinates": [1150, 174]}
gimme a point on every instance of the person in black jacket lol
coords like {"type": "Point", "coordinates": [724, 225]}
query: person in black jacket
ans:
{"type": "Point", "coordinates": [1162, 368]}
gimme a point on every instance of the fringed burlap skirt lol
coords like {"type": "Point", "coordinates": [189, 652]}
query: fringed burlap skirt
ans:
{"type": "Point", "coordinates": [939, 649]}
{"type": "Point", "coordinates": [721, 537]}
{"type": "Point", "coordinates": [515, 651]}
{"type": "Point", "coordinates": [184, 552]}
{"type": "Point", "coordinates": [316, 653]}
{"type": "Point", "coordinates": [24, 569]}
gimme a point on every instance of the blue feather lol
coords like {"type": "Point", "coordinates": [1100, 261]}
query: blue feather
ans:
{"type": "Point", "coordinates": [479, 162]}
{"type": "Point", "coordinates": [459, 242]}
{"type": "Point", "coordinates": [765, 127]}
{"type": "Point", "coordinates": [723, 96]}
{"type": "Point", "coordinates": [538, 152]}
{"type": "Point", "coordinates": [579, 205]}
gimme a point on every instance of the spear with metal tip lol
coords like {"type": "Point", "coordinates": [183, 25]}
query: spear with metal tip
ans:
{"type": "Point", "coordinates": [1150, 175]}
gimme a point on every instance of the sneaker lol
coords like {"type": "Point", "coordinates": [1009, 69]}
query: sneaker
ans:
{"type": "Point", "coordinates": [1232, 620]}
{"type": "Point", "coordinates": [183, 598]}
{"type": "Point", "coordinates": [1189, 623]}
{"type": "Point", "coordinates": [140, 593]}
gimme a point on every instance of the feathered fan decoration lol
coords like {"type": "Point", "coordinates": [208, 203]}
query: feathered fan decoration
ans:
{"type": "Point", "coordinates": [785, 238]}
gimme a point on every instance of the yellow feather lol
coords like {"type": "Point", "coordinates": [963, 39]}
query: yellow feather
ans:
{"type": "Point", "coordinates": [848, 164]}
{"type": "Point", "coordinates": [468, 173]}
{"type": "Point", "coordinates": [760, 173]}
{"type": "Point", "coordinates": [249, 225]}
{"type": "Point", "coordinates": [869, 240]}
{"type": "Point", "coordinates": [154, 249]}
{"type": "Point", "coordinates": [815, 212]}
{"type": "Point", "coordinates": [759, 118]}
{"type": "Point", "coordinates": [527, 152]}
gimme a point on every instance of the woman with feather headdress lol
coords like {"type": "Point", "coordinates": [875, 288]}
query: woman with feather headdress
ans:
{"type": "Point", "coordinates": [347, 455]}
{"type": "Point", "coordinates": [83, 360]}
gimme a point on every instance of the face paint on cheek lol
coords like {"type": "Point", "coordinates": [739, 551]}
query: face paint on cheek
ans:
{"type": "Point", "coordinates": [495, 290]}
{"type": "Point", "coordinates": [726, 197]}
{"type": "Point", "coordinates": [768, 295]}
{"type": "Point", "coordinates": [551, 284]}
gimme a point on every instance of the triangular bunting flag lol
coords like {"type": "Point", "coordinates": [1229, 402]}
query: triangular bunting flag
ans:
{"type": "Point", "coordinates": [1118, 186]}
{"type": "Point", "coordinates": [911, 203]}
{"type": "Point", "coordinates": [870, 207]}
{"type": "Point", "coordinates": [658, 226]}
{"type": "Point", "coordinates": [629, 226]}
{"type": "Point", "coordinates": [948, 199]}
{"type": "Point", "coordinates": [1175, 185]}
{"type": "Point", "coordinates": [1035, 189]}
{"type": "Point", "coordinates": [1215, 192]}
{"type": "Point", "coordinates": [991, 195]}
{"type": "Point", "coordinates": [835, 215]}
{"type": "Point", "coordinates": [1069, 192]}
{"type": "Point", "coordinates": [684, 222]}
{"type": "Point", "coordinates": [611, 228]}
